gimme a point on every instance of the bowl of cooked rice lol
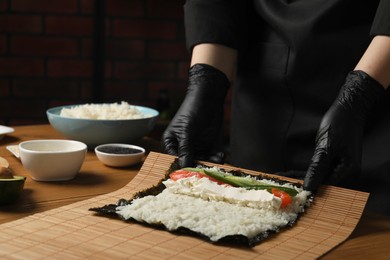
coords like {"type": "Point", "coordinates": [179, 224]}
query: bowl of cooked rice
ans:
{"type": "Point", "coordinates": [95, 124]}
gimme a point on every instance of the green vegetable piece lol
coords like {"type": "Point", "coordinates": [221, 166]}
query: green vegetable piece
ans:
{"type": "Point", "coordinates": [193, 169]}
{"type": "Point", "coordinates": [248, 183]}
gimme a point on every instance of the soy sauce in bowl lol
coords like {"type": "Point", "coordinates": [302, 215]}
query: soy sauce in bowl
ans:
{"type": "Point", "coordinates": [119, 155]}
{"type": "Point", "coordinates": [119, 150]}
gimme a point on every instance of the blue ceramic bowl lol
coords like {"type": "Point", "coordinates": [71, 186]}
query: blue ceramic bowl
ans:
{"type": "Point", "coordinates": [94, 132]}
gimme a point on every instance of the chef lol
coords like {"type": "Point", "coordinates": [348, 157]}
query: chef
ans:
{"type": "Point", "coordinates": [308, 81]}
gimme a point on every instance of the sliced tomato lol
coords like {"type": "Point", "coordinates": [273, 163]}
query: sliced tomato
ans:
{"type": "Point", "coordinates": [181, 174]}
{"type": "Point", "coordinates": [284, 196]}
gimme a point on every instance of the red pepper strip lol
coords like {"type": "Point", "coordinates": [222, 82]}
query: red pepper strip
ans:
{"type": "Point", "coordinates": [181, 174]}
{"type": "Point", "coordinates": [284, 196]}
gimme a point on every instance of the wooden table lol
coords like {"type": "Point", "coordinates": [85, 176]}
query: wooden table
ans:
{"type": "Point", "coordinates": [371, 238]}
{"type": "Point", "coordinates": [94, 178]}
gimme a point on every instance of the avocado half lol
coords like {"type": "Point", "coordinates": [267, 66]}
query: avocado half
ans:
{"type": "Point", "coordinates": [10, 189]}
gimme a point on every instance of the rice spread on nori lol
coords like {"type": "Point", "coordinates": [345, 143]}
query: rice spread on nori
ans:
{"type": "Point", "coordinates": [196, 206]}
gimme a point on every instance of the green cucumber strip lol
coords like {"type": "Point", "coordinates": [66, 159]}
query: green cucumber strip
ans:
{"type": "Point", "coordinates": [193, 169]}
{"type": "Point", "coordinates": [243, 182]}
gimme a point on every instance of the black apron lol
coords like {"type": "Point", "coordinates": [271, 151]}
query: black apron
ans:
{"type": "Point", "coordinates": [291, 71]}
{"type": "Point", "coordinates": [293, 59]}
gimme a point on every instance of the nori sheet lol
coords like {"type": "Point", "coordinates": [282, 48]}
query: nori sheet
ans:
{"type": "Point", "coordinates": [109, 210]}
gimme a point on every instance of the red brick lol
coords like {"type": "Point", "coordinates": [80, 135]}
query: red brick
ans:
{"type": "Point", "coordinates": [130, 91]}
{"type": "Point", "coordinates": [165, 9]}
{"type": "Point", "coordinates": [108, 70]}
{"type": "Point", "coordinates": [129, 70]}
{"type": "Point", "coordinates": [49, 88]}
{"type": "Point", "coordinates": [87, 6]}
{"type": "Point", "coordinates": [20, 23]}
{"type": "Point", "coordinates": [3, 5]}
{"type": "Point", "coordinates": [66, 102]}
{"type": "Point", "coordinates": [168, 50]}
{"type": "Point", "coordinates": [126, 49]}
{"type": "Point", "coordinates": [3, 44]}
{"type": "Point", "coordinates": [47, 6]}
{"type": "Point", "coordinates": [70, 68]}
{"type": "Point", "coordinates": [86, 90]}
{"type": "Point", "coordinates": [86, 47]}
{"type": "Point", "coordinates": [21, 67]}
{"type": "Point", "coordinates": [69, 25]}
{"type": "Point", "coordinates": [23, 108]}
{"type": "Point", "coordinates": [4, 87]}
{"type": "Point", "coordinates": [175, 90]}
{"type": "Point", "coordinates": [107, 28]}
{"type": "Point", "coordinates": [43, 46]}
{"type": "Point", "coordinates": [161, 30]}
{"type": "Point", "coordinates": [139, 70]}
{"type": "Point", "coordinates": [133, 8]}
{"type": "Point", "coordinates": [161, 70]}
{"type": "Point", "coordinates": [183, 70]}
{"type": "Point", "coordinates": [181, 35]}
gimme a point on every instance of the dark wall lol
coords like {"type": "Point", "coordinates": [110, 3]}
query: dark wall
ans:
{"type": "Point", "coordinates": [55, 52]}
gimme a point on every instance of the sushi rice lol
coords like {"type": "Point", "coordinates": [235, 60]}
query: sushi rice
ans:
{"type": "Point", "coordinates": [215, 211]}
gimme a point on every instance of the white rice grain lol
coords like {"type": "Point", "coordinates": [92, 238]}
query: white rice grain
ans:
{"type": "Point", "coordinates": [113, 111]}
{"type": "Point", "coordinates": [215, 219]}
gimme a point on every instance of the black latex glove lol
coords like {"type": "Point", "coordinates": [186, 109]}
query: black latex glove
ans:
{"type": "Point", "coordinates": [193, 132]}
{"type": "Point", "coordinates": [338, 148]}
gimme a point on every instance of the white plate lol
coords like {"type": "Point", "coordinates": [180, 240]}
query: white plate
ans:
{"type": "Point", "coordinates": [5, 130]}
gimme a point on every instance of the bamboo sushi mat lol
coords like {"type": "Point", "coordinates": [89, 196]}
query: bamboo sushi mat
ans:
{"type": "Point", "coordinates": [73, 232]}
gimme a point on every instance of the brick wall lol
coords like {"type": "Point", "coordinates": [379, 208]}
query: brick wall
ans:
{"type": "Point", "coordinates": [49, 55]}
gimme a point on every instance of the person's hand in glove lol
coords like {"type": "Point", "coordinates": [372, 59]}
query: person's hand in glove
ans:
{"type": "Point", "coordinates": [338, 147]}
{"type": "Point", "coordinates": [194, 130]}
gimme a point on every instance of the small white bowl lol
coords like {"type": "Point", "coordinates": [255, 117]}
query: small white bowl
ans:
{"type": "Point", "coordinates": [119, 155]}
{"type": "Point", "coordinates": [52, 160]}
